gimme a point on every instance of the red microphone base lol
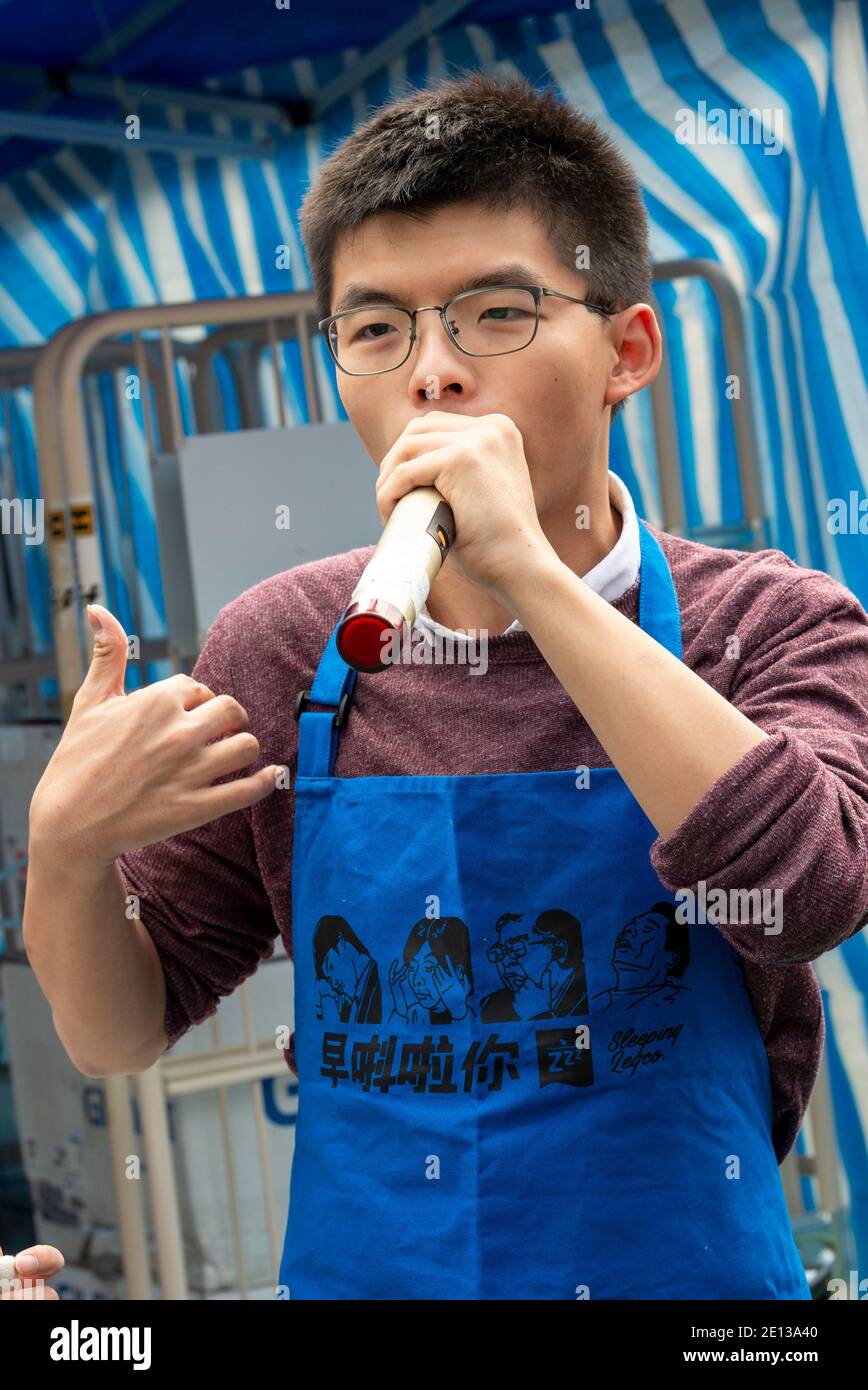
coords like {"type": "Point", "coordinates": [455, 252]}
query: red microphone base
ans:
{"type": "Point", "coordinates": [359, 638]}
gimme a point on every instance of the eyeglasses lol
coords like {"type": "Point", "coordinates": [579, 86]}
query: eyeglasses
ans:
{"type": "Point", "coordinates": [517, 948]}
{"type": "Point", "coordinates": [488, 322]}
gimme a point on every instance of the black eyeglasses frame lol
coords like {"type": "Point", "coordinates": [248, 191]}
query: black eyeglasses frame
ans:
{"type": "Point", "coordinates": [324, 325]}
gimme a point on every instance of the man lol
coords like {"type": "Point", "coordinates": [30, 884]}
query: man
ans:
{"type": "Point", "coordinates": [649, 958]}
{"type": "Point", "coordinates": [607, 657]}
{"type": "Point", "coordinates": [347, 979]}
{"type": "Point", "coordinates": [433, 982]}
{"type": "Point", "coordinates": [541, 968]}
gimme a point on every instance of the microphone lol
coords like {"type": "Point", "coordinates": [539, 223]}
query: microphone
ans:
{"type": "Point", "coordinates": [396, 580]}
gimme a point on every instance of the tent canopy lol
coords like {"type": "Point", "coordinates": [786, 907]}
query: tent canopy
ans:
{"type": "Point", "coordinates": [61, 63]}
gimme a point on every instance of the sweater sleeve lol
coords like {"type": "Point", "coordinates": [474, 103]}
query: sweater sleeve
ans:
{"type": "Point", "coordinates": [792, 813]}
{"type": "Point", "coordinates": [200, 893]}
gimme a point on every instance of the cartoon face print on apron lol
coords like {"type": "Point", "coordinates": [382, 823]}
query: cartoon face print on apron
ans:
{"type": "Point", "coordinates": [520, 1075]}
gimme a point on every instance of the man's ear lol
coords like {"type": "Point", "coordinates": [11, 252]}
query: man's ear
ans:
{"type": "Point", "coordinates": [638, 352]}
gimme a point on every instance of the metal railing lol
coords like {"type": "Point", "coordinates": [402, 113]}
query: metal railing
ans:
{"type": "Point", "coordinates": [62, 436]}
{"type": "Point", "coordinates": [751, 532]}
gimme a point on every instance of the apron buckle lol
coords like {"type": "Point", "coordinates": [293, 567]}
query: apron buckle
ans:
{"type": "Point", "coordinates": [302, 700]}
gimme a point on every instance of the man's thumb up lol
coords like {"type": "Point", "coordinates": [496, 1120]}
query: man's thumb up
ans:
{"type": "Point", "coordinates": [108, 664]}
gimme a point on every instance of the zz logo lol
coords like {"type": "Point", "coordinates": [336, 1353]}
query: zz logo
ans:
{"type": "Point", "coordinates": [560, 1062]}
{"type": "Point", "coordinates": [560, 1058]}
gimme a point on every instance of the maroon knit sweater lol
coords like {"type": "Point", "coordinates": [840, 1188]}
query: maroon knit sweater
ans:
{"type": "Point", "coordinates": [792, 813]}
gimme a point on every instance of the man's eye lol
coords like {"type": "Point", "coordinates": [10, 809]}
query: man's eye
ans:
{"type": "Point", "coordinates": [373, 330]}
{"type": "Point", "coordinates": [500, 314]}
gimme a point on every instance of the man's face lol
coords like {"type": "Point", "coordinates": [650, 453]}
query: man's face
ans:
{"type": "Point", "coordinates": [641, 944]}
{"type": "Point", "coordinates": [554, 390]}
{"type": "Point", "coordinates": [526, 955]}
{"type": "Point", "coordinates": [421, 971]}
{"type": "Point", "coordinates": [338, 968]}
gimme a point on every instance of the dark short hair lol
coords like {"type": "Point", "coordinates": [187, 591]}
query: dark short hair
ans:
{"type": "Point", "coordinates": [329, 932]}
{"type": "Point", "coordinates": [506, 143]}
{"type": "Point", "coordinates": [557, 922]}
{"type": "Point", "coordinates": [677, 935]}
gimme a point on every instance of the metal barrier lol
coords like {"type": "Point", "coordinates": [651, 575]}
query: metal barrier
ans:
{"type": "Point", "coordinates": [21, 666]}
{"type": "Point", "coordinates": [752, 531]}
{"type": "Point", "coordinates": [67, 434]}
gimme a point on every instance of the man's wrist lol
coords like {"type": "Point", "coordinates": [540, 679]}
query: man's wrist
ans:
{"type": "Point", "coordinates": [530, 579]}
{"type": "Point", "coordinates": [51, 857]}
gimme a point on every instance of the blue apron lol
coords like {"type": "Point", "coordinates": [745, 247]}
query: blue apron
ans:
{"type": "Point", "coordinates": [520, 1077]}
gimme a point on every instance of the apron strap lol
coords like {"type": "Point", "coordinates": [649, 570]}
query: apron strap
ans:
{"type": "Point", "coordinates": [659, 614]}
{"type": "Point", "coordinates": [319, 730]}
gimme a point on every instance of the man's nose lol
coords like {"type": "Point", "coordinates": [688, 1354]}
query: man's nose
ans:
{"type": "Point", "coordinates": [437, 365]}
